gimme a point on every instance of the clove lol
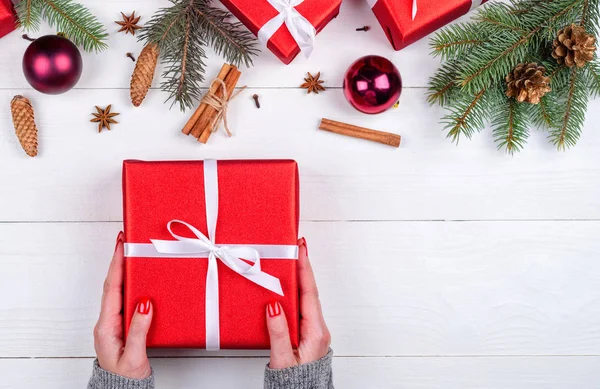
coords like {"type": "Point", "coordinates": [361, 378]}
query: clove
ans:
{"type": "Point", "coordinates": [129, 55]}
{"type": "Point", "coordinates": [365, 28]}
{"type": "Point", "coordinates": [255, 97]}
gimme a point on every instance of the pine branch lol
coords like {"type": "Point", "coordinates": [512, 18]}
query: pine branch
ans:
{"type": "Point", "coordinates": [162, 27]}
{"type": "Point", "coordinates": [546, 113]}
{"type": "Point", "coordinates": [443, 86]}
{"type": "Point", "coordinates": [573, 117]}
{"type": "Point", "coordinates": [590, 18]}
{"type": "Point", "coordinates": [478, 56]}
{"type": "Point", "coordinates": [456, 40]}
{"type": "Point", "coordinates": [497, 58]}
{"type": "Point", "coordinates": [182, 32]}
{"type": "Point", "coordinates": [184, 52]}
{"type": "Point", "coordinates": [184, 56]}
{"type": "Point", "coordinates": [467, 116]}
{"type": "Point", "coordinates": [29, 15]}
{"type": "Point", "coordinates": [593, 77]}
{"type": "Point", "coordinates": [497, 18]}
{"type": "Point", "coordinates": [228, 39]}
{"type": "Point", "coordinates": [76, 21]}
{"type": "Point", "coordinates": [520, 8]}
{"type": "Point", "coordinates": [510, 125]}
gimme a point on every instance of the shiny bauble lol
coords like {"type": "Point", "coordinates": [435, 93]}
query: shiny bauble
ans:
{"type": "Point", "coordinates": [52, 64]}
{"type": "Point", "coordinates": [372, 84]}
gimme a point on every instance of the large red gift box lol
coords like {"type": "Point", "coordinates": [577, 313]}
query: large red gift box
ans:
{"type": "Point", "coordinates": [258, 204]}
{"type": "Point", "coordinates": [254, 14]}
{"type": "Point", "coordinates": [396, 17]}
{"type": "Point", "coordinates": [8, 19]}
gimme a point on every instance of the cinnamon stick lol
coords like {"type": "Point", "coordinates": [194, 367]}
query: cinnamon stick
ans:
{"type": "Point", "coordinates": [385, 138]}
{"type": "Point", "coordinates": [209, 112]}
{"type": "Point", "coordinates": [230, 82]}
{"type": "Point", "coordinates": [190, 124]}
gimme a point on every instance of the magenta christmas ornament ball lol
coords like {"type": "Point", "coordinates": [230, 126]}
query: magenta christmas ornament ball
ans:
{"type": "Point", "coordinates": [372, 84]}
{"type": "Point", "coordinates": [52, 64]}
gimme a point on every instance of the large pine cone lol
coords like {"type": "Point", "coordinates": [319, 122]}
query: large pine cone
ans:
{"type": "Point", "coordinates": [574, 46]}
{"type": "Point", "coordinates": [141, 80]}
{"type": "Point", "coordinates": [24, 122]}
{"type": "Point", "coordinates": [527, 83]}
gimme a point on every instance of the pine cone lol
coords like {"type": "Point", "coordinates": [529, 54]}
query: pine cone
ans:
{"type": "Point", "coordinates": [574, 46]}
{"type": "Point", "coordinates": [143, 73]}
{"type": "Point", "coordinates": [527, 83]}
{"type": "Point", "coordinates": [24, 122]}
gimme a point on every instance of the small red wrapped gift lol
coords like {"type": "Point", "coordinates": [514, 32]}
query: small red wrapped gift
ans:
{"type": "Point", "coordinates": [407, 21]}
{"type": "Point", "coordinates": [286, 27]}
{"type": "Point", "coordinates": [8, 18]}
{"type": "Point", "coordinates": [211, 244]}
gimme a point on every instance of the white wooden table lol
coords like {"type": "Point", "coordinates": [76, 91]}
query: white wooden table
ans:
{"type": "Point", "coordinates": [439, 266]}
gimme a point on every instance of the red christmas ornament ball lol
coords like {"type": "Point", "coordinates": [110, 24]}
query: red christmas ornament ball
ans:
{"type": "Point", "coordinates": [372, 84]}
{"type": "Point", "coordinates": [52, 64]}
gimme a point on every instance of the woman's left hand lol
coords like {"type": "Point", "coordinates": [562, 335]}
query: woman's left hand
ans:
{"type": "Point", "coordinates": [114, 355]}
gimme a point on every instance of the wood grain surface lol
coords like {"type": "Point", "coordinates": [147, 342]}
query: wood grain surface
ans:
{"type": "Point", "coordinates": [440, 266]}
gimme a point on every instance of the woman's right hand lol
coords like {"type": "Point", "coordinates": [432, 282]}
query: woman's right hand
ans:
{"type": "Point", "coordinates": [315, 338]}
{"type": "Point", "coordinates": [114, 355]}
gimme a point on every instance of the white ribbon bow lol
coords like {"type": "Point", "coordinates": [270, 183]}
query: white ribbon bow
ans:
{"type": "Point", "coordinates": [415, 6]}
{"type": "Point", "coordinates": [302, 31]}
{"type": "Point", "coordinates": [204, 247]}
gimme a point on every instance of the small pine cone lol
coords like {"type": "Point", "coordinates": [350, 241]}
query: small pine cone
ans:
{"type": "Point", "coordinates": [574, 46]}
{"type": "Point", "coordinates": [24, 122]}
{"type": "Point", "coordinates": [143, 73]}
{"type": "Point", "coordinates": [527, 83]}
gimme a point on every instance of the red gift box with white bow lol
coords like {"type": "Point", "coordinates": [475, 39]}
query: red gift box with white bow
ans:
{"type": "Point", "coordinates": [286, 27]}
{"type": "Point", "coordinates": [8, 18]}
{"type": "Point", "coordinates": [211, 243]}
{"type": "Point", "coordinates": [407, 21]}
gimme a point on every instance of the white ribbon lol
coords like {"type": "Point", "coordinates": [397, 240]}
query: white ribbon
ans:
{"type": "Point", "coordinates": [415, 6]}
{"type": "Point", "coordinates": [204, 247]}
{"type": "Point", "coordinates": [302, 31]}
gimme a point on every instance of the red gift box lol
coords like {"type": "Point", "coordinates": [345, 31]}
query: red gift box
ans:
{"type": "Point", "coordinates": [8, 18]}
{"type": "Point", "coordinates": [255, 14]}
{"type": "Point", "coordinates": [258, 206]}
{"type": "Point", "coordinates": [396, 17]}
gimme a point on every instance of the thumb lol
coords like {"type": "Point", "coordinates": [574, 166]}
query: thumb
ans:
{"type": "Point", "coordinates": [135, 346]}
{"type": "Point", "coordinates": [282, 354]}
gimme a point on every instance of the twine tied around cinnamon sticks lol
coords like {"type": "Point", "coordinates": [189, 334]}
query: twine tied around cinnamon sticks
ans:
{"type": "Point", "coordinates": [214, 105]}
{"type": "Point", "coordinates": [220, 104]}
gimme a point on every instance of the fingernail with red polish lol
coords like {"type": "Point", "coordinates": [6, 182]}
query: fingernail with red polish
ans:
{"type": "Point", "coordinates": [144, 306]}
{"type": "Point", "coordinates": [303, 243]}
{"type": "Point", "coordinates": [274, 309]}
{"type": "Point", "coordinates": [120, 239]}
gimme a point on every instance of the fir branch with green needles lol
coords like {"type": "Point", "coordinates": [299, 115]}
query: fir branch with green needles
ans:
{"type": "Point", "coordinates": [182, 32]}
{"type": "Point", "coordinates": [478, 57]}
{"type": "Point", "coordinates": [68, 17]}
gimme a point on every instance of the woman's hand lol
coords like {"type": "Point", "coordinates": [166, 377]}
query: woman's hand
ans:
{"type": "Point", "coordinates": [130, 359]}
{"type": "Point", "coordinates": [314, 335]}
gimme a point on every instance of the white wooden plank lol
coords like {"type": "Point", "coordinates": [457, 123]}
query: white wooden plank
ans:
{"type": "Point", "coordinates": [388, 289]}
{"type": "Point", "coordinates": [337, 47]}
{"type": "Point", "coordinates": [76, 177]}
{"type": "Point", "coordinates": [349, 373]}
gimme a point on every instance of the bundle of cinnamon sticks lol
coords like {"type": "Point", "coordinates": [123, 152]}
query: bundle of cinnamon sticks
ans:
{"type": "Point", "coordinates": [205, 120]}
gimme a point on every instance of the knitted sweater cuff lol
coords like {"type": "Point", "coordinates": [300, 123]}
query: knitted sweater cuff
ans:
{"type": "Point", "coordinates": [314, 375]}
{"type": "Point", "coordinates": [102, 379]}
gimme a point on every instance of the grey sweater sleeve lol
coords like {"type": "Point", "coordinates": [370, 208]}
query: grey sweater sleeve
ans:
{"type": "Point", "coordinates": [315, 375]}
{"type": "Point", "coordinates": [102, 379]}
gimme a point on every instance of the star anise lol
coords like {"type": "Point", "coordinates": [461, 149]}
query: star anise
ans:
{"type": "Point", "coordinates": [313, 83]}
{"type": "Point", "coordinates": [129, 23]}
{"type": "Point", "coordinates": [104, 118]}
